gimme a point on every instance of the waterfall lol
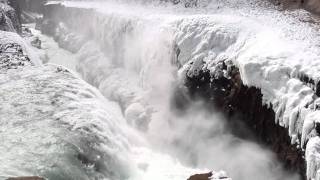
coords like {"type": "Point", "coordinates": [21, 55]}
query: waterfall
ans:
{"type": "Point", "coordinates": [138, 54]}
{"type": "Point", "coordinates": [121, 122]}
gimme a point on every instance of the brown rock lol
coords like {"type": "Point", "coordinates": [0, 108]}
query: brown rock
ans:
{"type": "Point", "coordinates": [313, 6]}
{"type": "Point", "coordinates": [201, 176]}
{"type": "Point", "coordinates": [26, 178]}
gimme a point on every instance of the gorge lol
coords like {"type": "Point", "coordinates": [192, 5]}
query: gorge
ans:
{"type": "Point", "coordinates": [175, 89]}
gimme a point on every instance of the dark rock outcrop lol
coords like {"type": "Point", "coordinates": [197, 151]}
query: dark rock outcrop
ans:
{"type": "Point", "coordinates": [9, 20]}
{"type": "Point", "coordinates": [27, 11]}
{"type": "Point", "coordinates": [208, 176]}
{"type": "Point", "coordinates": [310, 5]}
{"type": "Point", "coordinates": [28, 5]}
{"type": "Point", "coordinates": [15, 5]}
{"type": "Point", "coordinates": [26, 178]}
{"type": "Point", "coordinates": [242, 103]}
{"type": "Point", "coordinates": [200, 176]}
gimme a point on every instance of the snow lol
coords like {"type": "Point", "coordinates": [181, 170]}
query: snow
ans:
{"type": "Point", "coordinates": [220, 175]}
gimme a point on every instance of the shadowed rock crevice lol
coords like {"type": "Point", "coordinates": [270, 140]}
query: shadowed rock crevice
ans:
{"type": "Point", "coordinates": [9, 20]}
{"type": "Point", "coordinates": [312, 6]}
{"type": "Point", "coordinates": [244, 104]}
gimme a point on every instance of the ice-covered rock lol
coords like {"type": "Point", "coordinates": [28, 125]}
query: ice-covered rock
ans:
{"type": "Point", "coordinates": [210, 175]}
{"type": "Point", "coordinates": [313, 158]}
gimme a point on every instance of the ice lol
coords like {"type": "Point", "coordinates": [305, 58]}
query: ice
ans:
{"type": "Point", "coordinates": [55, 125]}
{"type": "Point", "coordinates": [313, 158]}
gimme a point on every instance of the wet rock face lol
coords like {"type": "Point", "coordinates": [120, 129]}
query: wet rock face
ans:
{"type": "Point", "coordinates": [242, 103]}
{"type": "Point", "coordinates": [209, 176]}
{"type": "Point", "coordinates": [200, 176]}
{"type": "Point", "coordinates": [24, 7]}
{"type": "Point", "coordinates": [310, 5]}
{"type": "Point", "coordinates": [26, 178]}
{"type": "Point", "coordinates": [28, 5]}
{"type": "Point", "coordinates": [9, 20]}
{"type": "Point", "coordinates": [288, 3]}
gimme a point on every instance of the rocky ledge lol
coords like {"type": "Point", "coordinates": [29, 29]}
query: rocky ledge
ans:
{"type": "Point", "coordinates": [310, 5]}
{"type": "Point", "coordinates": [208, 176]}
{"type": "Point", "coordinates": [9, 20]}
{"type": "Point", "coordinates": [26, 178]}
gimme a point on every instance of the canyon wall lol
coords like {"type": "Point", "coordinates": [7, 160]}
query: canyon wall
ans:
{"type": "Point", "coordinates": [310, 5]}
{"type": "Point", "coordinates": [244, 104]}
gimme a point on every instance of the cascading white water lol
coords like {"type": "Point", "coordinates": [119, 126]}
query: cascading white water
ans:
{"type": "Point", "coordinates": [129, 53]}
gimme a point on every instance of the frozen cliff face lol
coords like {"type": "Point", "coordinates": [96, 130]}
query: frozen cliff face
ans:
{"type": "Point", "coordinates": [313, 158]}
{"type": "Point", "coordinates": [274, 60]}
{"type": "Point", "coordinates": [122, 73]}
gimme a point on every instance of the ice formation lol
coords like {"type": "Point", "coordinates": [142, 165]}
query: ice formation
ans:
{"type": "Point", "coordinates": [55, 125]}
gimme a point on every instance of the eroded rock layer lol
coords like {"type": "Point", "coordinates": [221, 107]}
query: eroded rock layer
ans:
{"type": "Point", "coordinates": [243, 103]}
